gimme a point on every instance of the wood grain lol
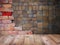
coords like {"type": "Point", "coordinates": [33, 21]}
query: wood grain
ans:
{"type": "Point", "coordinates": [30, 40]}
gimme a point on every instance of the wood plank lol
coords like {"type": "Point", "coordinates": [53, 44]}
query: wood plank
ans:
{"type": "Point", "coordinates": [2, 40]}
{"type": "Point", "coordinates": [32, 39]}
{"type": "Point", "coordinates": [8, 40]}
{"type": "Point", "coordinates": [37, 39]}
{"type": "Point", "coordinates": [2, 37]}
{"type": "Point", "coordinates": [18, 40]}
{"type": "Point", "coordinates": [55, 39]}
{"type": "Point", "coordinates": [21, 40]}
{"type": "Point", "coordinates": [15, 40]}
{"type": "Point", "coordinates": [47, 41]}
{"type": "Point", "coordinates": [57, 36]}
{"type": "Point", "coordinates": [27, 40]}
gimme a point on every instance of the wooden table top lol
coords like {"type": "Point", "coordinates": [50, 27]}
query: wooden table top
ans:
{"type": "Point", "coordinates": [30, 40]}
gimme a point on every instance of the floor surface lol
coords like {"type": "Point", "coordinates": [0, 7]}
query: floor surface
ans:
{"type": "Point", "coordinates": [30, 40]}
